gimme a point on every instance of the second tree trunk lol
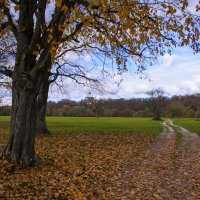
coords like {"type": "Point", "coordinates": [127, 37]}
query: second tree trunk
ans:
{"type": "Point", "coordinates": [41, 127]}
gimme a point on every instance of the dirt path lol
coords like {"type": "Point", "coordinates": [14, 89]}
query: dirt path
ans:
{"type": "Point", "coordinates": [187, 165]}
{"type": "Point", "coordinates": [166, 170]}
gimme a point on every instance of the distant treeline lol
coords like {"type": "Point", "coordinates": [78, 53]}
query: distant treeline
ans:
{"type": "Point", "coordinates": [176, 106]}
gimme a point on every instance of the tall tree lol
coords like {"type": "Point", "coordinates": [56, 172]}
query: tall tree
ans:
{"type": "Point", "coordinates": [123, 30]}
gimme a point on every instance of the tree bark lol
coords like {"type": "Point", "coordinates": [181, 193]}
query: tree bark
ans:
{"type": "Point", "coordinates": [41, 127]}
{"type": "Point", "coordinates": [20, 147]}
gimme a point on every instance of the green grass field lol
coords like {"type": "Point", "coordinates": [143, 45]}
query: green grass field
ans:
{"type": "Point", "coordinates": [193, 125]}
{"type": "Point", "coordinates": [101, 125]}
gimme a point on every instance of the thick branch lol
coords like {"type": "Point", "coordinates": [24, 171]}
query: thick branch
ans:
{"type": "Point", "coordinates": [40, 24]}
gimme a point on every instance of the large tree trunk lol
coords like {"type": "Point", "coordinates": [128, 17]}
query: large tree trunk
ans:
{"type": "Point", "coordinates": [33, 53]}
{"type": "Point", "coordinates": [20, 147]}
{"type": "Point", "coordinates": [41, 127]}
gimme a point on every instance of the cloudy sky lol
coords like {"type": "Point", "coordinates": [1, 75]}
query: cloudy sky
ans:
{"type": "Point", "coordinates": [177, 74]}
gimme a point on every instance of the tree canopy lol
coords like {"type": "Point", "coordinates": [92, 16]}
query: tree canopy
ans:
{"type": "Point", "coordinates": [138, 29]}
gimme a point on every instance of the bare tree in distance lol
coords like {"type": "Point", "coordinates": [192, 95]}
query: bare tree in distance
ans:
{"type": "Point", "coordinates": [157, 99]}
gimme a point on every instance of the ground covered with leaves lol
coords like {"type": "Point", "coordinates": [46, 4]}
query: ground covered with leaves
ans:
{"type": "Point", "coordinates": [107, 166]}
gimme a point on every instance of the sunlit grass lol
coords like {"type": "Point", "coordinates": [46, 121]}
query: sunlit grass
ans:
{"type": "Point", "coordinates": [101, 125]}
